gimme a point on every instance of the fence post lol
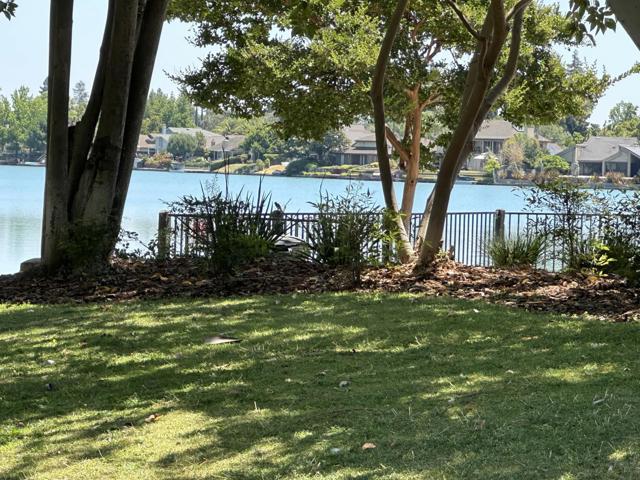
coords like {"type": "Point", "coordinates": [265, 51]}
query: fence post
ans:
{"type": "Point", "coordinates": [278, 222]}
{"type": "Point", "coordinates": [498, 226]}
{"type": "Point", "coordinates": [164, 230]}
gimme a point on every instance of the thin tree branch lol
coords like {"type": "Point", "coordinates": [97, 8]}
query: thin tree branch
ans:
{"type": "Point", "coordinates": [377, 97]}
{"type": "Point", "coordinates": [464, 19]}
{"type": "Point", "coordinates": [433, 99]}
{"type": "Point", "coordinates": [398, 147]}
{"type": "Point", "coordinates": [521, 5]}
{"type": "Point", "coordinates": [405, 250]}
{"type": "Point", "coordinates": [512, 62]}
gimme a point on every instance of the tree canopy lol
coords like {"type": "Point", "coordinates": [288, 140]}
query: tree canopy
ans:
{"type": "Point", "coordinates": [182, 145]}
{"type": "Point", "coordinates": [23, 121]}
{"type": "Point", "coordinates": [167, 111]}
{"type": "Point", "coordinates": [624, 121]}
{"type": "Point", "coordinates": [317, 76]}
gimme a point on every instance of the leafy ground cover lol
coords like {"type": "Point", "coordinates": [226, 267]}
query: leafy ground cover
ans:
{"type": "Point", "coordinates": [606, 298]}
{"type": "Point", "coordinates": [433, 388]}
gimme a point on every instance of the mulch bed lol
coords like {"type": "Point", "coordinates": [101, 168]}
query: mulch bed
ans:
{"type": "Point", "coordinates": [605, 298]}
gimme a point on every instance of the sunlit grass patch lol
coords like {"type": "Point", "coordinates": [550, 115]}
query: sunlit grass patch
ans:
{"type": "Point", "coordinates": [443, 389]}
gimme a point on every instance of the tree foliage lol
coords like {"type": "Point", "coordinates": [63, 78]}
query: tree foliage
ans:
{"type": "Point", "coordinates": [624, 121]}
{"type": "Point", "coordinates": [23, 121]}
{"type": "Point", "coordinates": [317, 76]}
{"type": "Point", "coordinates": [552, 162]}
{"type": "Point", "coordinates": [182, 145]}
{"type": "Point", "coordinates": [165, 110]}
{"type": "Point", "coordinates": [8, 8]}
{"type": "Point", "coordinates": [78, 102]}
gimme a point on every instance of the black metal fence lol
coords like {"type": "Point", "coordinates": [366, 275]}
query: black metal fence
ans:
{"type": "Point", "coordinates": [466, 234]}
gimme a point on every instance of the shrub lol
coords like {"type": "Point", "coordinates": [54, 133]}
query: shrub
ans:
{"type": "Point", "coordinates": [233, 160]}
{"type": "Point", "coordinates": [272, 158]}
{"type": "Point", "coordinates": [159, 161]}
{"type": "Point", "coordinates": [216, 164]}
{"type": "Point", "coordinates": [624, 257]}
{"type": "Point", "coordinates": [182, 145]}
{"type": "Point", "coordinates": [616, 178]}
{"type": "Point", "coordinates": [595, 179]}
{"type": "Point", "coordinates": [228, 231]}
{"type": "Point", "coordinates": [569, 203]}
{"type": "Point", "coordinates": [130, 247]}
{"type": "Point", "coordinates": [197, 163]}
{"type": "Point", "coordinates": [552, 162]}
{"type": "Point", "coordinates": [492, 164]}
{"type": "Point", "coordinates": [348, 232]}
{"type": "Point", "coordinates": [518, 252]}
{"type": "Point", "coordinates": [621, 237]}
{"type": "Point", "coordinates": [296, 167]}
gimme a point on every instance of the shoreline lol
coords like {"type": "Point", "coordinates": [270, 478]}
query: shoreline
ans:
{"type": "Point", "coordinates": [376, 178]}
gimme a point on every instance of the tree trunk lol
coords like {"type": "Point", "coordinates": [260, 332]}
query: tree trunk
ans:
{"type": "Point", "coordinates": [55, 227]}
{"type": "Point", "coordinates": [478, 99]}
{"type": "Point", "coordinates": [405, 249]}
{"type": "Point", "coordinates": [413, 166]}
{"type": "Point", "coordinates": [89, 165]}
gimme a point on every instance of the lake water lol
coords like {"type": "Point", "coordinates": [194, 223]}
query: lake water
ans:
{"type": "Point", "coordinates": [21, 194]}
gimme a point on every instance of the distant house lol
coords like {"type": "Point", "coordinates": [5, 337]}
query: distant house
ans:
{"type": "Point", "coordinates": [146, 146]}
{"type": "Point", "coordinates": [491, 138]}
{"type": "Point", "coordinates": [214, 142]}
{"type": "Point", "coordinates": [361, 148]}
{"type": "Point", "coordinates": [225, 147]}
{"type": "Point", "coordinates": [600, 155]}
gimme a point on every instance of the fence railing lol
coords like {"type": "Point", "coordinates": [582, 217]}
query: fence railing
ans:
{"type": "Point", "coordinates": [466, 234]}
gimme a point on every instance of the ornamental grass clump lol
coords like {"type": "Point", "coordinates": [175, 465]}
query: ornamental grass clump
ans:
{"type": "Point", "coordinates": [228, 231]}
{"type": "Point", "coordinates": [516, 252]}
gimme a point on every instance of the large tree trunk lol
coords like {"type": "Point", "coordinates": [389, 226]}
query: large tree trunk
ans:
{"type": "Point", "coordinates": [477, 100]}
{"type": "Point", "coordinates": [89, 165]}
{"type": "Point", "coordinates": [405, 249]}
{"type": "Point", "coordinates": [55, 226]}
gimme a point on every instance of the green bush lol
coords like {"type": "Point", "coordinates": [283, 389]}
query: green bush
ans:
{"type": "Point", "coordinates": [198, 162]}
{"type": "Point", "coordinates": [564, 230]}
{"type": "Point", "coordinates": [624, 258]}
{"type": "Point", "coordinates": [160, 161]}
{"type": "Point", "coordinates": [552, 162]}
{"type": "Point", "coordinates": [348, 232]}
{"type": "Point", "coordinates": [297, 167]}
{"type": "Point", "coordinates": [272, 158]}
{"type": "Point", "coordinates": [492, 164]}
{"type": "Point", "coordinates": [517, 252]}
{"type": "Point", "coordinates": [228, 231]}
{"type": "Point", "coordinates": [216, 164]}
{"type": "Point", "coordinates": [235, 159]}
{"type": "Point", "coordinates": [182, 145]}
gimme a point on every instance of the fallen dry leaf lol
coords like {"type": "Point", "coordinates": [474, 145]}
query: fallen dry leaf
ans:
{"type": "Point", "coordinates": [152, 418]}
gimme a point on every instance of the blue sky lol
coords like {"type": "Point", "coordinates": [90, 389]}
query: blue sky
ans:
{"type": "Point", "coordinates": [23, 52]}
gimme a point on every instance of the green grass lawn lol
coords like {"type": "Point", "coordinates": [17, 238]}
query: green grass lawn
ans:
{"type": "Point", "coordinates": [445, 390]}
